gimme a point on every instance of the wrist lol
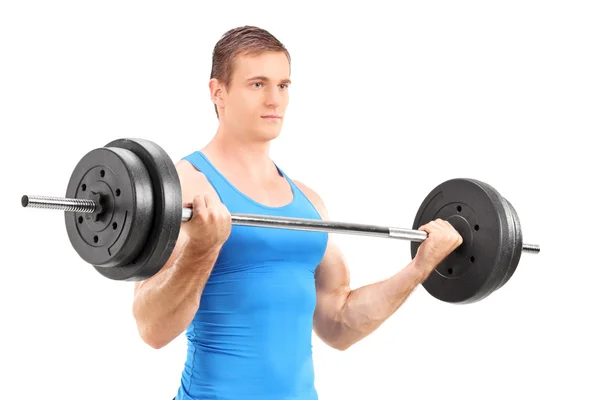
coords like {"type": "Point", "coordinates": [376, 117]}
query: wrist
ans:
{"type": "Point", "coordinates": [197, 248]}
{"type": "Point", "coordinates": [419, 270]}
{"type": "Point", "coordinates": [193, 252]}
{"type": "Point", "coordinates": [200, 252]}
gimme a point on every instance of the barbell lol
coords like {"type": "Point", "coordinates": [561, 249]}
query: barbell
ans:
{"type": "Point", "coordinates": [124, 209]}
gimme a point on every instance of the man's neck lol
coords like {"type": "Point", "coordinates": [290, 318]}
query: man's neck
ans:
{"type": "Point", "coordinates": [236, 155]}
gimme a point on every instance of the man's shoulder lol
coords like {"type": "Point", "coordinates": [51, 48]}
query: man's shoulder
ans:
{"type": "Point", "coordinates": [187, 171]}
{"type": "Point", "coordinates": [193, 181]}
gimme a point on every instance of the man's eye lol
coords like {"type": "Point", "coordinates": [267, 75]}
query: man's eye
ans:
{"type": "Point", "coordinates": [283, 86]}
{"type": "Point", "coordinates": [257, 84]}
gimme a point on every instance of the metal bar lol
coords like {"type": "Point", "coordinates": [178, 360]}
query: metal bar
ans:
{"type": "Point", "coordinates": [59, 203]}
{"type": "Point", "coordinates": [308, 224]}
{"type": "Point", "coordinates": [531, 248]}
{"type": "Point", "coordinates": [88, 206]}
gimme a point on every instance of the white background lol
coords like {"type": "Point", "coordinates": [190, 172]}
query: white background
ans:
{"type": "Point", "coordinates": [385, 104]}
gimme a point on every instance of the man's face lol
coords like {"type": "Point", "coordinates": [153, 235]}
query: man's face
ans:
{"type": "Point", "coordinates": [255, 104]}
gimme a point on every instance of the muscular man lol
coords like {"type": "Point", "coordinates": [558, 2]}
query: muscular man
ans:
{"type": "Point", "coordinates": [249, 298]}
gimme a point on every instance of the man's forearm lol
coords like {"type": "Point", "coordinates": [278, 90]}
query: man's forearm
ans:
{"type": "Point", "coordinates": [165, 305]}
{"type": "Point", "coordinates": [367, 307]}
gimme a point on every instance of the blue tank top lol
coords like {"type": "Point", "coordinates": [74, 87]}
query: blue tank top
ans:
{"type": "Point", "coordinates": [252, 335]}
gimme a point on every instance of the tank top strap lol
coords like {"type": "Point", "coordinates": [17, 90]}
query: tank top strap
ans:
{"type": "Point", "coordinates": [214, 177]}
{"type": "Point", "coordinates": [295, 189]}
{"type": "Point", "coordinates": [290, 181]}
{"type": "Point", "coordinates": [299, 196]}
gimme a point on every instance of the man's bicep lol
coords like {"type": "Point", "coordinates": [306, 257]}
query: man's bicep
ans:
{"type": "Point", "coordinates": [332, 273]}
{"type": "Point", "coordinates": [332, 281]}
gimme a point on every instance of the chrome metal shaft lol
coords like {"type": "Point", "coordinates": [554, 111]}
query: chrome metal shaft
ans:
{"type": "Point", "coordinates": [59, 203]}
{"type": "Point", "coordinates": [88, 206]}
{"type": "Point", "coordinates": [531, 248]}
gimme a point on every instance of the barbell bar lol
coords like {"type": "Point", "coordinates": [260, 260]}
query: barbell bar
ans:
{"type": "Point", "coordinates": [265, 221]}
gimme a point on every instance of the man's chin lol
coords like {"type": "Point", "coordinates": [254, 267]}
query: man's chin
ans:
{"type": "Point", "coordinates": [269, 134]}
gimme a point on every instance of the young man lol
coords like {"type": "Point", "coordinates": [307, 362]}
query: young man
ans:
{"type": "Point", "coordinates": [249, 297]}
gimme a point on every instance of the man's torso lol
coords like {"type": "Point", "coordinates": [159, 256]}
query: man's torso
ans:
{"type": "Point", "coordinates": [251, 337]}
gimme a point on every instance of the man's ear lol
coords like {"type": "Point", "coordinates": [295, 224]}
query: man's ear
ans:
{"type": "Point", "coordinates": [216, 92]}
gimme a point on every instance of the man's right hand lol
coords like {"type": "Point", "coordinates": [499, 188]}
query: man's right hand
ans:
{"type": "Point", "coordinates": [210, 225]}
{"type": "Point", "coordinates": [442, 239]}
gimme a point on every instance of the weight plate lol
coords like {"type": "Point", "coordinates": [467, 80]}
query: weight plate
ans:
{"type": "Point", "coordinates": [508, 248]}
{"type": "Point", "coordinates": [120, 184]}
{"type": "Point", "coordinates": [474, 269]}
{"type": "Point", "coordinates": [166, 219]}
{"type": "Point", "coordinates": [518, 243]}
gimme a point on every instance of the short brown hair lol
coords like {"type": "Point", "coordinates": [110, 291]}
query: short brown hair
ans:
{"type": "Point", "coordinates": [244, 40]}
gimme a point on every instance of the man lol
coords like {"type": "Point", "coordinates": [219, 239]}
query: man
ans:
{"type": "Point", "coordinates": [249, 297]}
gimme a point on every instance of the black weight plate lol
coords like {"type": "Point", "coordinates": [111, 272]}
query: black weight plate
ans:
{"type": "Point", "coordinates": [518, 243]}
{"type": "Point", "coordinates": [119, 180]}
{"type": "Point", "coordinates": [474, 269]}
{"type": "Point", "coordinates": [508, 248]}
{"type": "Point", "coordinates": [166, 219]}
{"type": "Point", "coordinates": [511, 237]}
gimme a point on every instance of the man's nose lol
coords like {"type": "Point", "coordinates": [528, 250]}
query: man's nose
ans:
{"type": "Point", "coordinates": [273, 97]}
